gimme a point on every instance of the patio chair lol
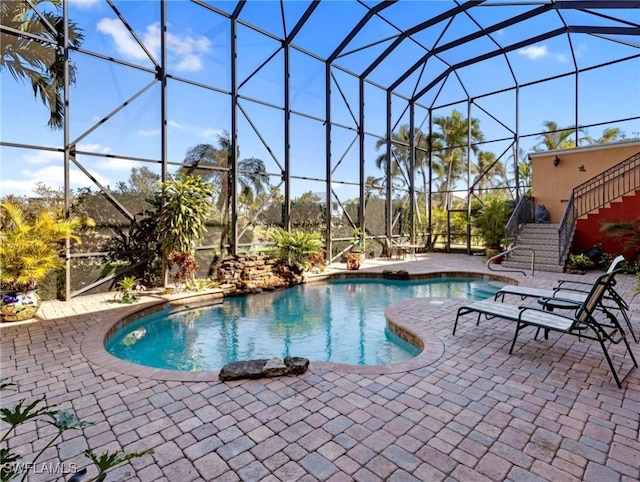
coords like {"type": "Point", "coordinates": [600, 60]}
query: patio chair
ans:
{"type": "Point", "coordinates": [582, 323]}
{"type": "Point", "coordinates": [573, 291]}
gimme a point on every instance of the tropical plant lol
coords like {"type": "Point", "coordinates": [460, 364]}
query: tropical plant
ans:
{"type": "Point", "coordinates": [555, 137]}
{"type": "Point", "coordinates": [187, 266]}
{"type": "Point", "coordinates": [491, 221]}
{"type": "Point", "coordinates": [214, 164]}
{"type": "Point", "coordinates": [358, 243]}
{"type": "Point", "coordinates": [37, 57]}
{"type": "Point", "coordinates": [29, 251]}
{"type": "Point", "coordinates": [627, 231]}
{"type": "Point", "coordinates": [128, 289]}
{"type": "Point", "coordinates": [296, 248]}
{"type": "Point", "coordinates": [582, 261]}
{"type": "Point", "coordinates": [62, 421]}
{"type": "Point", "coordinates": [454, 133]}
{"type": "Point", "coordinates": [187, 204]}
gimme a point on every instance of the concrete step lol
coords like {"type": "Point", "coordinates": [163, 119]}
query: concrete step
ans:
{"type": "Point", "coordinates": [552, 268]}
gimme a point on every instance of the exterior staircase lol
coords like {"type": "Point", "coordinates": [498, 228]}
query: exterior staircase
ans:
{"type": "Point", "coordinates": [543, 239]}
{"type": "Point", "coordinates": [612, 195]}
{"type": "Point", "coordinates": [624, 209]}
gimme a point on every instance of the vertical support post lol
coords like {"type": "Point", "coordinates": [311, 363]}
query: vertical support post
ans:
{"type": "Point", "coordinates": [429, 200]}
{"type": "Point", "coordinates": [361, 207]}
{"type": "Point", "coordinates": [469, 175]}
{"type": "Point", "coordinates": [233, 157]}
{"type": "Point", "coordinates": [411, 173]}
{"type": "Point", "coordinates": [577, 83]}
{"type": "Point", "coordinates": [162, 77]}
{"type": "Point", "coordinates": [287, 142]}
{"type": "Point", "coordinates": [327, 154]}
{"type": "Point", "coordinates": [389, 192]}
{"type": "Point", "coordinates": [516, 154]}
{"type": "Point", "coordinates": [64, 37]}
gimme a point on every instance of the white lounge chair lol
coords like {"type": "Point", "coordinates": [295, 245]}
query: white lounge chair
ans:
{"type": "Point", "coordinates": [582, 323]}
{"type": "Point", "coordinates": [573, 291]}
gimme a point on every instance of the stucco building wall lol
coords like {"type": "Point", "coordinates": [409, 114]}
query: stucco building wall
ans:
{"type": "Point", "coordinates": [552, 185]}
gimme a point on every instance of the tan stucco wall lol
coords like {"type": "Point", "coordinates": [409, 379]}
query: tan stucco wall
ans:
{"type": "Point", "coordinates": [552, 185]}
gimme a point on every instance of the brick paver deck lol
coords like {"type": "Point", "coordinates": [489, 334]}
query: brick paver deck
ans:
{"type": "Point", "coordinates": [464, 411]}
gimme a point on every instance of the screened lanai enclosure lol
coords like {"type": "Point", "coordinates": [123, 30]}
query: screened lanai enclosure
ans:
{"type": "Point", "coordinates": [395, 117]}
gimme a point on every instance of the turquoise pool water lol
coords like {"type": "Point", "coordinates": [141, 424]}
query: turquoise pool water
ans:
{"type": "Point", "coordinates": [339, 320]}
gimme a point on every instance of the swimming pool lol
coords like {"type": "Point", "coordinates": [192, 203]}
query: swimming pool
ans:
{"type": "Point", "coordinates": [340, 321]}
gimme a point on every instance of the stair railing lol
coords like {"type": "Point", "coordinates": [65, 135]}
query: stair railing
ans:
{"type": "Point", "coordinates": [607, 186]}
{"type": "Point", "coordinates": [491, 265]}
{"type": "Point", "coordinates": [522, 213]}
{"type": "Point", "coordinates": [566, 227]}
{"type": "Point", "coordinates": [595, 193]}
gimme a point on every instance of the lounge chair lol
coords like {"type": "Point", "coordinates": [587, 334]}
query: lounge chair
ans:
{"type": "Point", "coordinates": [573, 291]}
{"type": "Point", "coordinates": [582, 323]}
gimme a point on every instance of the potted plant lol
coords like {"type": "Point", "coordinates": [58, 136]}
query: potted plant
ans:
{"type": "Point", "coordinates": [491, 222]}
{"type": "Point", "coordinates": [579, 263]}
{"type": "Point", "coordinates": [355, 255]}
{"type": "Point", "coordinates": [28, 252]}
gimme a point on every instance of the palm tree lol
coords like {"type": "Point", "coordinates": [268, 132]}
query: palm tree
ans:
{"type": "Point", "coordinates": [213, 163]}
{"type": "Point", "coordinates": [454, 136]}
{"type": "Point", "coordinates": [400, 151]}
{"type": "Point", "coordinates": [610, 134]}
{"type": "Point", "coordinates": [555, 137]}
{"type": "Point", "coordinates": [39, 62]}
{"type": "Point", "coordinates": [489, 172]}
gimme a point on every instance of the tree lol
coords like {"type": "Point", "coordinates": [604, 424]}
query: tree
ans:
{"type": "Point", "coordinates": [187, 203]}
{"type": "Point", "coordinates": [142, 180]}
{"type": "Point", "coordinates": [453, 134]}
{"type": "Point", "coordinates": [39, 62]}
{"type": "Point", "coordinates": [213, 164]}
{"type": "Point", "coordinates": [489, 172]}
{"type": "Point", "coordinates": [400, 155]}
{"type": "Point", "coordinates": [610, 134]}
{"type": "Point", "coordinates": [555, 137]}
{"type": "Point", "coordinates": [308, 212]}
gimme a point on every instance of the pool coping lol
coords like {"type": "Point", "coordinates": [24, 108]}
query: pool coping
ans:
{"type": "Point", "coordinates": [92, 345]}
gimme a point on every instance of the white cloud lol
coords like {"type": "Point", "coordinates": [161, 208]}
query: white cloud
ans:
{"type": "Point", "coordinates": [175, 125]}
{"type": "Point", "coordinates": [43, 157]}
{"type": "Point", "coordinates": [51, 176]}
{"type": "Point", "coordinates": [534, 51]}
{"type": "Point", "coordinates": [184, 51]}
{"type": "Point", "coordinates": [125, 43]}
{"type": "Point", "coordinates": [93, 148]}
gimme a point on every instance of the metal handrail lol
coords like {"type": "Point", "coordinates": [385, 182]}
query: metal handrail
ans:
{"type": "Point", "coordinates": [522, 213]}
{"type": "Point", "coordinates": [566, 227]}
{"type": "Point", "coordinates": [607, 186]}
{"type": "Point", "coordinates": [596, 193]}
{"type": "Point", "coordinates": [507, 251]}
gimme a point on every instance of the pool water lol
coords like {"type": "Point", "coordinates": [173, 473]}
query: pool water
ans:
{"type": "Point", "coordinates": [340, 321]}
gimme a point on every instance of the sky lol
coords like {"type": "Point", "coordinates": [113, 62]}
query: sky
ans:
{"type": "Point", "coordinates": [199, 49]}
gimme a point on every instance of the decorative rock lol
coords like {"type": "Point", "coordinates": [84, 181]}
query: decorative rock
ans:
{"type": "Point", "coordinates": [275, 368]}
{"type": "Point", "coordinates": [264, 368]}
{"type": "Point", "coordinates": [400, 274]}
{"type": "Point", "coordinates": [242, 369]}
{"type": "Point", "coordinates": [297, 365]}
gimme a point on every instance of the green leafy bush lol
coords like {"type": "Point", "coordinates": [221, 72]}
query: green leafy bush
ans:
{"type": "Point", "coordinates": [296, 248]}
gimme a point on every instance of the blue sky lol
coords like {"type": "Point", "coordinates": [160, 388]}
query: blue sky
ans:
{"type": "Point", "coordinates": [199, 48]}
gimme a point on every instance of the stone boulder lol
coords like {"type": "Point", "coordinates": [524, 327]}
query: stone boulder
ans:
{"type": "Point", "coordinates": [263, 368]}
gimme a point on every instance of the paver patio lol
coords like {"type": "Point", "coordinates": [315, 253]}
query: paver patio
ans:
{"type": "Point", "coordinates": [466, 410]}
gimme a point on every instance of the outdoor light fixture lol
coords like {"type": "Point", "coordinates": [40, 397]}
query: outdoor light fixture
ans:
{"type": "Point", "coordinates": [556, 161]}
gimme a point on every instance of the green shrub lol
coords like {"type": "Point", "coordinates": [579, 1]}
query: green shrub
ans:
{"type": "Point", "coordinates": [296, 248]}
